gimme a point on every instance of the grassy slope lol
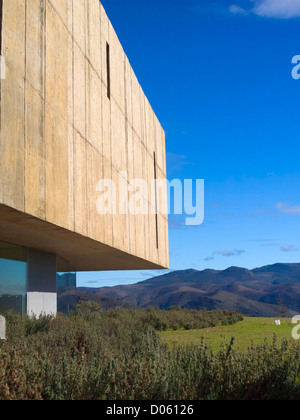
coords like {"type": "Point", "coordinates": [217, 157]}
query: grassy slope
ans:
{"type": "Point", "coordinates": [250, 330]}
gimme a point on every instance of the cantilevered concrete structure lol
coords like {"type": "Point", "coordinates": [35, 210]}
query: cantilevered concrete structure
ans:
{"type": "Point", "coordinates": [72, 114]}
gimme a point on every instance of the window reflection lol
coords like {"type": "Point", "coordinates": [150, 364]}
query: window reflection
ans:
{"type": "Point", "coordinates": [13, 281]}
{"type": "Point", "coordinates": [66, 286]}
{"type": "Point", "coordinates": [13, 278]}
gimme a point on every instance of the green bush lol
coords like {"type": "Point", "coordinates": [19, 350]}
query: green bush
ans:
{"type": "Point", "coordinates": [36, 325]}
{"type": "Point", "coordinates": [89, 309]}
{"type": "Point", "coordinates": [118, 355]}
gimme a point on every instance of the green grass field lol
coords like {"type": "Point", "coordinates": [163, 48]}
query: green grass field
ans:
{"type": "Point", "coordinates": [250, 330]}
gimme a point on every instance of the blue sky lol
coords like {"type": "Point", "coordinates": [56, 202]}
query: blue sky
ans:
{"type": "Point", "coordinates": [218, 75]}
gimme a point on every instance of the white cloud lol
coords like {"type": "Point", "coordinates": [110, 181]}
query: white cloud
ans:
{"type": "Point", "coordinates": [289, 248]}
{"type": "Point", "coordinates": [280, 9]}
{"type": "Point", "coordinates": [234, 253]}
{"type": "Point", "coordinates": [237, 10]}
{"type": "Point", "coordinates": [286, 208]}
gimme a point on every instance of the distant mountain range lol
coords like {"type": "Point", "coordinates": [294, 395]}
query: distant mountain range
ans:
{"type": "Point", "coordinates": [268, 291]}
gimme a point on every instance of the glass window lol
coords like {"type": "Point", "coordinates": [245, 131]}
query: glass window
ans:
{"type": "Point", "coordinates": [66, 286]}
{"type": "Point", "coordinates": [13, 278]}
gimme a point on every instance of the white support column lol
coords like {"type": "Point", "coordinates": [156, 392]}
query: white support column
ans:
{"type": "Point", "coordinates": [39, 303]}
{"type": "Point", "coordinates": [2, 328]}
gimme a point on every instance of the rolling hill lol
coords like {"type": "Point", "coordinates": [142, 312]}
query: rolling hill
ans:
{"type": "Point", "coordinates": [267, 291]}
{"type": "Point", "coordinates": [67, 301]}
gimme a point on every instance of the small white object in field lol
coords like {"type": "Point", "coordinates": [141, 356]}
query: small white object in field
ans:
{"type": "Point", "coordinates": [2, 328]}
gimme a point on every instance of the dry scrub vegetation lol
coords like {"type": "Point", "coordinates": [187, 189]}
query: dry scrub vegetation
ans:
{"type": "Point", "coordinates": [118, 355]}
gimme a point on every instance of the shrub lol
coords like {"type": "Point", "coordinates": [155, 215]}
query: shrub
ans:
{"type": "Point", "coordinates": [89, 309]}
{"type": "Point", "coordinates": [118, 355]}
{"type": "Point", "coordinates": [36, 325]}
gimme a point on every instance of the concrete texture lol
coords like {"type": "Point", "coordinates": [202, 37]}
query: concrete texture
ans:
{"type": "Point", "coordinates": [61, 134]}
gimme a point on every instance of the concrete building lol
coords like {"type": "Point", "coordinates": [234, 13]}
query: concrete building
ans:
{"type": "Point", "coordinates": [72, 114]}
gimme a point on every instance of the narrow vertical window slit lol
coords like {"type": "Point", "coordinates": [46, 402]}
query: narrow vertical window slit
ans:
{"type": "Point", "coordinates": [108, 69]}
{"type": "Point", "coordinates": [156, 203]}
{"type": "Point", "coordinates": [1, 19]}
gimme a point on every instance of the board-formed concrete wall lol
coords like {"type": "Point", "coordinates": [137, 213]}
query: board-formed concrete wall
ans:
{"type": "Point", "coordinates": [61, 134]}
